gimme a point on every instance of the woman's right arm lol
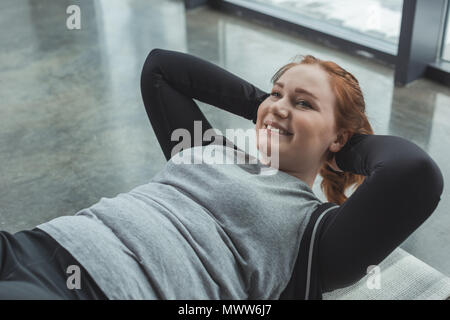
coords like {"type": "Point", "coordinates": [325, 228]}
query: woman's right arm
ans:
{"type": "Point", "coordinates": [402, 188]}
{"type": "Point", "coordinates": [171, 79]}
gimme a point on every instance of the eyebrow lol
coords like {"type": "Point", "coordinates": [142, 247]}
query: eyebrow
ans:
{"type": "Point", "coordinates": [299, 90]}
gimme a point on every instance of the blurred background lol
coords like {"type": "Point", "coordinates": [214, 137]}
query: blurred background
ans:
{"type": "Point", "coordinates": [74, 128]}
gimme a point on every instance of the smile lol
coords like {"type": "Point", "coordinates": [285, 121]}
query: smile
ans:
{"type": "Point", "coordinates": [276, 130]}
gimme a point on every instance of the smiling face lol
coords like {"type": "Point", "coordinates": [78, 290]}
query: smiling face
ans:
{"type": "Point", "coordinates": [309, 118]}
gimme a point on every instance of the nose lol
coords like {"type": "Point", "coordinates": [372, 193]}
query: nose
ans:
{"type": "Point", "coordinates": [279, 109]}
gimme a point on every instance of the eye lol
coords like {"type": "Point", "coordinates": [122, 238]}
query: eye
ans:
{"type": "Point", "coordinates": [306, 103]}
{"type": "Point", "coordinates": [274, 93]}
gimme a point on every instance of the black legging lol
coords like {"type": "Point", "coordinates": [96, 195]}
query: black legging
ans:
{"type": "Point", "coordinates": [402, 188]}
{"type": "Point", "coordinates": [34, 266]}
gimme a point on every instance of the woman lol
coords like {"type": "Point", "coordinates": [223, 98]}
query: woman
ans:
{"type": "Point", "coordinates": [214, 231]}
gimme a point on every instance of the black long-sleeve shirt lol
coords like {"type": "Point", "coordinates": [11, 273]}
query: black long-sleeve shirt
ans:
{"type": "Point", "coordinates": [402, 188]}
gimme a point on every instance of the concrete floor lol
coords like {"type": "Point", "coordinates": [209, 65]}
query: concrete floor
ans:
{"type": "Point", "coordinates": [74, 129]}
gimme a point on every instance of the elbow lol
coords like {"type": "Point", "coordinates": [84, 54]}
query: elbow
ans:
{"type": "Point", "coordinates": [152, 57]}
{"type": "Point", "coordinates": [429, 177]}
{"type": "Point", "coordinates": [425, 185]}
{"type": "Point", "coordinates": [152, 72]}
{"type": "Point", "coordinates": [419, 174]}
{"type": "Point", "coordinates": [152, 63]}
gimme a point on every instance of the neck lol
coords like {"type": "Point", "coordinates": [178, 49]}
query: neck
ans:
{"type": "Point", "coordinates": [308, 176]}
{"type": "Point", "coordinates": [305, 177]}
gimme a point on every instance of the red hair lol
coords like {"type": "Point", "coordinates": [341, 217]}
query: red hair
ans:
{"type": "Point", "coordinates": [349, 115]}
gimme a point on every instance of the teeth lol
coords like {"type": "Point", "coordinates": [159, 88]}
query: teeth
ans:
{"type": "Point", "coordinates": [274, 129]}
{"type": "Point", "coordinates": [280, 131]}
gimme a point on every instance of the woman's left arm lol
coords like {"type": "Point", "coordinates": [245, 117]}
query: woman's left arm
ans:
{"type": "Point", "coordinates": [402, 188]}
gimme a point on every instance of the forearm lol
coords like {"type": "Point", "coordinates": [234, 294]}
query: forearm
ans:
{"type": "Point", "coordinates": [202, 80]}
{"type": "Point", "coordinates": [367, 154]}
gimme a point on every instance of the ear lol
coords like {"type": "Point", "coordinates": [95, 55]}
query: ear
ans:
{"type": "Point", "coordinates": [341, 139]}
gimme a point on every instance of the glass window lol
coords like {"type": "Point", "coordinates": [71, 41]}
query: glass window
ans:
{"type": "Point", "coordinates": [380, 19]}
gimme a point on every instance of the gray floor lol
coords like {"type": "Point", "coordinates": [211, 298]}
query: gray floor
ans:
{"type": "Point", "coordinates": [73, 127]}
